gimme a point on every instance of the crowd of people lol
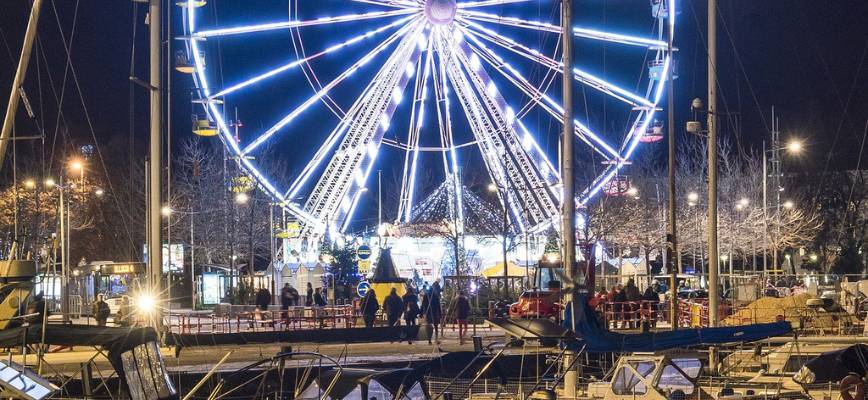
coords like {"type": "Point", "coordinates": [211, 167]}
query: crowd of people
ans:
{"type": "Point", "coordinates": [625, 306]}
{"type": "Point", "coordinates": [409, 308]}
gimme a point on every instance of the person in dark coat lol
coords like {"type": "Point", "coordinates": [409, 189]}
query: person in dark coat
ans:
{"type": "Point", "coordinates": [651, 300]}
{"type": "Point", "coordinates": [308, 298]}
{"type": "Point", "coordinates": [318, 298]}
{"type": "Point", "coordinates": [36, 310]}
{"type": "Point", "coordinates": [370, 306]}
{"type": "Point", "coordinates": [263, 299]}
{"type": "Point", "coordinates": [411, 310]}
{"type": "Point", "coordinates": [393, 306]}
{"type": "Point", "coordinates": [462, 313]}
{"type": "Point", "coordinates": [621, 307]}
{"type": "Point", "coordinates": [433, 311]}
{"type": "Point", "coordinates": [411, 307]}
{"type": "Point", "coordinates": [100, 311]}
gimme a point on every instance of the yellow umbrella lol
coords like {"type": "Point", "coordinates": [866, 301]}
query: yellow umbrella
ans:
{"type": "Point", "coordinates": [496, 270]}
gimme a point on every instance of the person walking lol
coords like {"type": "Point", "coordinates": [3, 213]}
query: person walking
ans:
{"type": "Point", "coordinates": [462, 313]}
{"type": "Point", "coordinates": [124, 312]}
{"type": "Point", "coordinates": [433, 312]}
{"type": "Point", "coordinates": [411, 310]}
{"type": "Point", "coordinates": [288, 298]}
{"type": "Point", "coordinates": [370, 306]}
{"type": "Point", "coordinates": [621, 307]}
{"type": "Point", "coordinates": [633, 299]}
{"type": "Point", "coordinates": [308, 298]}
{"type": "Point", "coordinates": [393, 307]}
{"type": "Point", "coordinates": [100, 311]}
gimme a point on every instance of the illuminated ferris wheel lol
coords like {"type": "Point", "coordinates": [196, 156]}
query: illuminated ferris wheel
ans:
{"type": "Point", "coordinates": [427, 79]}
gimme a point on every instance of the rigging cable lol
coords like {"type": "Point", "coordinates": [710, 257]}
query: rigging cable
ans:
{"type": "Point", "coordinates": [67, 49]}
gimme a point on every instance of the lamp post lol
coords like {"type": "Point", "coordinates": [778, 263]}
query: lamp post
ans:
{"type": "Point", "coordinates": [505, 227]}
{"type": "Point", "coordinates": [793, 147]}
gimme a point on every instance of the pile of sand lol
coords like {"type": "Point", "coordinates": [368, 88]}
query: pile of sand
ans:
{"type": "Point", "coordinates": [793, 309]}
{"type": "Point", "coordinates": [767, 309]}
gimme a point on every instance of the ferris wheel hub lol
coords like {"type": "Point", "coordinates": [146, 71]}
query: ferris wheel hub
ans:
{"type": "Point", "coordinates": [440, 12]}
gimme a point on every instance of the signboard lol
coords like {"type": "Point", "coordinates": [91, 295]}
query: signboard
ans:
{"type": "Point", "coordinates": [364, 266]}
{"type": "Point", "coordinates": [364, 252]}
{"type": "Point", "coordinates": [363, 288]}
{"type": "Point", "coordinates": [173, 257]}
{"type": "Point", "coordinates": [211, 292]}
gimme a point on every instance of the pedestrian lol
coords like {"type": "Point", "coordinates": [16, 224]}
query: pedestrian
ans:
{"type": "Point", "coordinates": [370, 306]}
{"type": "Point", "coordinates": [433, 311]}
{"type": "Point", "coordinates": [393, 307]}
{"type": "Point", "coordinates": [634, 297]}
{"type": "Point", "coordinates": [100, 310]}
{"type": "Point", "coordinates": [288, 298]}
{"type": "Point", "coordinates": [308, 298]}
{"type": "Point", "coordinates": [462, 313]}
{"type": "Point", "coordinates": [621, 307]}
{"type": "Point", "coordinates": [411, 307]}
{"type": "Point", "coordinates": [651, 299]}
{"type": "Point", "coordinates": [318, 298]}
{"type": "Point", "coordinates": [124, 312]}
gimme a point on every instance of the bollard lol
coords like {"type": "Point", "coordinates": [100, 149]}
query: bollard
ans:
{"type": "Point", "coordinates": [571, 379]}
{"type": "Point", "coordinates": [477, 343]}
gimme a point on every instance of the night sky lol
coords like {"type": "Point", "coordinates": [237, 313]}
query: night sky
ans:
{"type": "Point", "coordinates": [807, 58]}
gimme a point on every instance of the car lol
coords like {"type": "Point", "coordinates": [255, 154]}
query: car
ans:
{"type": "Point", "coordinates": [536, 304]}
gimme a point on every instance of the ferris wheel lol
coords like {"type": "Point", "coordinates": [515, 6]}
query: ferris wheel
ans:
{"type": "Point", "coordinates": [338, 83]}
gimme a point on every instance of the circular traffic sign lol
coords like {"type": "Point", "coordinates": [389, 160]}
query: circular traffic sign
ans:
{"type": "Point", "coordinates": [363, 288]}
{"type": "Point", "coordinates": [364, 252]}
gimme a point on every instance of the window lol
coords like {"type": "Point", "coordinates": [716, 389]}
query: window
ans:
{"type": "Point", "coordinates": [627, 382]}
{"type": "Point", "coordinates": [672, 379]}
{"type": "Point", "coordinates": [690, 366]}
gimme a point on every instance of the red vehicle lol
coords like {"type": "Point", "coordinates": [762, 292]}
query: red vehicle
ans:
{"type": "Point", "coordinates": [537, 304]}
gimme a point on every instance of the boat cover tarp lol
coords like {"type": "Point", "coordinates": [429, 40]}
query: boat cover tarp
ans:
{"type": "Point", "coordinates": [386, 271]}
{"type": "Point", "coordinates": [593, 334]}
{"type": "Point", "coordinates": [832, 366]}
{"type": "Point", "coordinates": [504, 367]}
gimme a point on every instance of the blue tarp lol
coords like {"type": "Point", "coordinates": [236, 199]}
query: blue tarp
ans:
{"type": "Point", "coordinates": [592, 333]}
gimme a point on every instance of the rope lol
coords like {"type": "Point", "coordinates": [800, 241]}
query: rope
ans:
{"type": "Point", "coordinates": [68, 51]}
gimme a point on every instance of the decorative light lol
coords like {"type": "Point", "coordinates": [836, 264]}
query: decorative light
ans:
{"type": "Point", "coordinates": [813, 257]}
{"type": "Point", "coordinates": [99, 192]}
{"type": "Point", "coordinates": [744, 202]}
{"type": "Point", "coordinates": [166, 210]}
{"type": "Point", "coordinates": [789, 204]}
{"type": "Point", "coordinates": [49, 183]}
{"type": "Point", "coordinates": [146, 303]}
{"type": "Point", "coordinates": [30, 184]}
{"type": "Point", "coordinates": [492, 187]}
{"type": "Point", "coordinates": [241, 198]}
{"type": "Point", "coordinates": [633, 192]}
{"type": "Point", "coordinates": [693, 197]}
{"type": "Point", "coordinates": [76, 165]}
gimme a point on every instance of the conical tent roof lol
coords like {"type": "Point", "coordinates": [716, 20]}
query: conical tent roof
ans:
{"type": "Point", "coordinates": [386, 271]}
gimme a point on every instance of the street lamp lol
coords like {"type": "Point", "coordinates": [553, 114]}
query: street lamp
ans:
{"type": "Point", "coordinates": [788, 204]}
{"type": "Point", "coordinates": [30, 184]}
{"type": "Point", "coordinates": [166, 210]}
{"type": "Point", "coordinates": [99, 192]}
{"type": "Point", "coordinates": [692, 198]}
{"type": "Point", "coordinates": [49, 183]}
{"type": "Point", "coordinates": [794, 146]}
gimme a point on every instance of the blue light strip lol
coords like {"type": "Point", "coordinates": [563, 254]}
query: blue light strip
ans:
{"type": "Point", "coordinates": [299, 24]}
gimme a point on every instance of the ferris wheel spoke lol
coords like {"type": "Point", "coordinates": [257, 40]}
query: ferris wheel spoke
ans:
{"type": "Point", "coordinates": [543, 100]}
{"type": "Point", "coordinates": [586, 33]}
{"type": "Point", "coordinates": [297, 63]}
{"type": "Point", "coordinates": [204, 34]}
{"type": "Point", "coordinates": [322, 92]}
{"type": "Point", "coordinates": [411, 156]}
{"type": "Point", "coordinates": [390, 3]}
{"type": "Point", "coordinates": [486, 3]}
{"type": "Point", "coordinates": [334, 197]}
{"type": "Point", "coordinates": [580, 76]}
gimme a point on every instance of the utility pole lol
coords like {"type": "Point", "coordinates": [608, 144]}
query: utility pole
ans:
{"type": "Point", "coordinates": [672, 246]}
{"type": "Point", "coordinates": [713, 259]}
{"type": "Point", "coordinates": [765, 209]}
{"type": "Point", "coordinates": [776, 181]}
{"type": "Point", "coordinates": [64, 262]}
{"type": "Point", "coordinates": [155, 253]}
{"type": "Point", "coordinates": [18, 81]}
{"type": "Point", "coordinates": [568, 206]}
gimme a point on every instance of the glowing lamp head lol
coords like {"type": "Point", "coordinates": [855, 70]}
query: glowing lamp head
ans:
{"type": "Point", "coordinates": [146, 303]}
{"type": "Point", "coordinates": [794, 146]}
{"type": "Point", "coordinates": [242, 198]}
{"type": "Point", "coordinates": [30, 184]}
{"type": "Point", "coordinates": [440, 12]}
{"type": "Point", "coordinates": [693, 197]}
